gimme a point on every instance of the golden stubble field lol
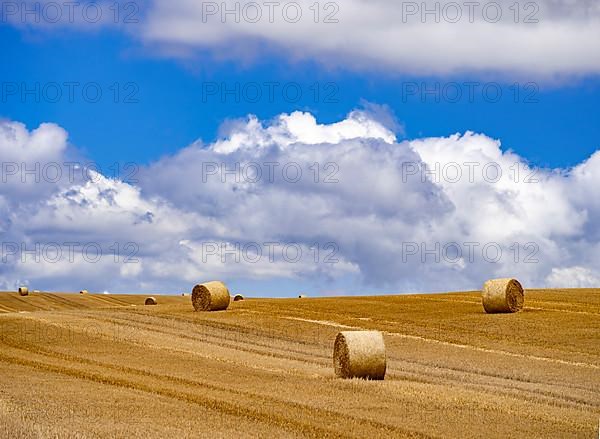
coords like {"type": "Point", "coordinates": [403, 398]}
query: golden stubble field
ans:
{"type": "Point", "coordinates": [106, 366]}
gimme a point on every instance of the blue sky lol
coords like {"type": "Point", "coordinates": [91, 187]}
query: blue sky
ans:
{"type": "Point", "coordinates": [559, 127]}
{"type": "Point", "coordinates": [377, 93]}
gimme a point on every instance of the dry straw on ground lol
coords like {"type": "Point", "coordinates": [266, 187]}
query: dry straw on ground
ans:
{"type": "Point", "coordinates": [502, 296]}
{"type": "Point", "coordinates": [23, 291]}
{"type": "Point", "coordinates": [359, 354]}
{"type": "Point", "coordinates": [238, 297]}
{"type": "Point", "coordinates": [210, 296]}
{"type": "Point", "coordinates": [150, 301]}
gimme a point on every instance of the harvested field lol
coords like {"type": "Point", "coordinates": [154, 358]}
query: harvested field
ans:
{"type": "Point", "coordinates": [91, 365]}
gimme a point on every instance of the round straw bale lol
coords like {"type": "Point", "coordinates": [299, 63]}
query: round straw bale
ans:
{"type": "Point", "coordinates": [36, 291]}
{"type": "Point", "coordinates": [210, 296]}
{"type": "Point", "coordinates": [302, 296]}
{"type": "Point", "coordinates": [83, 292]}
{"type": "Point", "coordinates": [359, 354]}
{"type": "Point", "coordinates": [150, 301]}
{"type": "Point", "coordinates": [502, 296]}
{"type": "Point", "coordinates": [23, 291]}
{"type": "Point", "coordinates": [238, 297]}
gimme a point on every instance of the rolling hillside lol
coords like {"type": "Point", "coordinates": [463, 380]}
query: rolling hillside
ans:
{"type": "Point", "coordinates": [107, 366]}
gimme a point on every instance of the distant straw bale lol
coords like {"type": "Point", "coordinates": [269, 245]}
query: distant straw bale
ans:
{"type": "Point", "coordinates": [23, 291]}
{"type": "Point", "coordinates": [150, 301]}
{"type": "Point", "coordinates": [238, 297]}
{"type": "Point", "coordinates": [359, 354]}
{"type": "Point", "coordinates": [83, 292]}
{"type": "Point", "coordinates": [502, 296]}
{"type": "Point", "coordinates": [210, 296]}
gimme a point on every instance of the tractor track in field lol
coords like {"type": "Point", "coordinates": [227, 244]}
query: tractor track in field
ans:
{"type": "Point", "coordinates": [239, 408]}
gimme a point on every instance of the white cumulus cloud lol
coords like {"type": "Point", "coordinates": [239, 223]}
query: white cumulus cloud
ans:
{"type": "Point", "coordinates": [341, 207]}
{"type": "Point", "coordinates": [541, 39]}
{"type": "Point", "coordinates": [579, 277]}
